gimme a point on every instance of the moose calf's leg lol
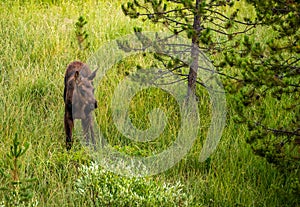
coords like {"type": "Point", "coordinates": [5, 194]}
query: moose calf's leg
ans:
{"type": "Point", "coordinates": [69, 125]}
{"type": "Point", "coordinates": [85, 128]}
{"type": "Point", "coordinates": [88, 131]}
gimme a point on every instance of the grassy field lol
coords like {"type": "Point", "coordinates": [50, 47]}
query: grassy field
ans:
{"type": "Point", "coordinates": [37, 42]}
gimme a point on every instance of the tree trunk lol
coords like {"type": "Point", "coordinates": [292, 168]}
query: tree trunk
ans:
{"type": "Point", "coordinates": [192, 78]}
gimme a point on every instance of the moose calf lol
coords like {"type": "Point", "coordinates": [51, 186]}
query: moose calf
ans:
{"type": "Point", "coordinates": [79, 100]}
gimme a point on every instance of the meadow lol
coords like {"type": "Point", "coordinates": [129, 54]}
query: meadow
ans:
{"type": "Point", "coordinates": [38, 41]}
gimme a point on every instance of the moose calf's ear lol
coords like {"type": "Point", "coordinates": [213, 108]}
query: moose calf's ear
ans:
{"type": "Point", "coordinates": [93, 75]}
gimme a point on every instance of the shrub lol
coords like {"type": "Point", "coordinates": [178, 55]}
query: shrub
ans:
{"type": "Point", "coordinates": [98, 187]}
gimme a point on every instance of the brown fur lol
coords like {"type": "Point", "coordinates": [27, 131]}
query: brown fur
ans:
{"type": "Point", "coordinates": [79, 100]}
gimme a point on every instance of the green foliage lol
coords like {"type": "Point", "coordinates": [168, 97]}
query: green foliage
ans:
{"type": "Point", "coordinates": [98, 187]}
{"type": "Point", "coordinates": [18, 191]}
{"type": "Point", "coordinates": [178, 17]}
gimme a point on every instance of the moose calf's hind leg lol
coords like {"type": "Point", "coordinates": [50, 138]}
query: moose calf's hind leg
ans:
{"type": "Point", "coordinates": [69, 125]}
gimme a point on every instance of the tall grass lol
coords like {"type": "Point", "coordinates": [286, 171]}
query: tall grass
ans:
{"type": "Point", "coordinates": [37, 41]}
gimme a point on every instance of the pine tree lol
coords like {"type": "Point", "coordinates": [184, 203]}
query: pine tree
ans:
{"type": "Point", "coordinates": [200, 21]}
{"type": "Point", "coordinates": [255, 72]}
{"type": "Point", "coordinates": [270, 72]}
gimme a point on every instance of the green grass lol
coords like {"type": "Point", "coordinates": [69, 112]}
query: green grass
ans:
{"type": "Point", "coordinates": [37, 42]}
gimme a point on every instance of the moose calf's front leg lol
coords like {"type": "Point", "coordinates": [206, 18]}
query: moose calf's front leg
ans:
{"type": "Point", "coordinates": [87, 126]}
{"type": "Point", "coordinates": [69, 125]}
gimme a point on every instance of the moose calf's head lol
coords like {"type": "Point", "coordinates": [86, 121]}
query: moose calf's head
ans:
{"type": "Point", "coordinates": [80, 92]}
{"type": "Point", "coordinates": [83, 95]}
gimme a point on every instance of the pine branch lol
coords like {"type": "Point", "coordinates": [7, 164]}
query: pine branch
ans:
{"type": "Point", "coordinates": [234, 20]}
{"type": "Point", "coordinates": [280, 131]}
